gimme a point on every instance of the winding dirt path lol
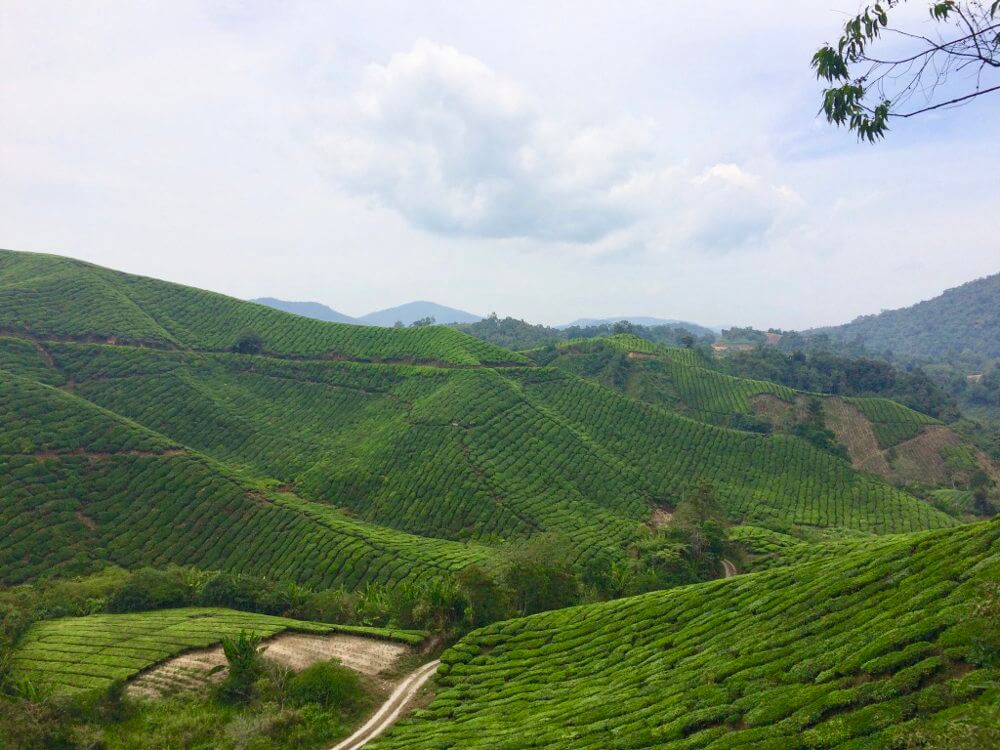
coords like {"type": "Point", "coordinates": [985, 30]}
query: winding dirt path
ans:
{"type": "Point", "coordinates": [404, 692]}
{"type": "Point", "coordinates": [389, 712]}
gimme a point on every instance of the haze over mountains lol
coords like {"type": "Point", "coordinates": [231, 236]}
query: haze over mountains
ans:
{"type": "Point", "coordinates": [405, 314]}
{"type": "Point", "coordinates": [966, 318]}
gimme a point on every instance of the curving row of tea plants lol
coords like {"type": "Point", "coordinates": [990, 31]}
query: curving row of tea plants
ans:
{"type": "Point", "coordinates": [80, 485]}
{"type": "Point", "coordinates": [472, 453]}
{"type": "Point", "coordinates": [51, 297]}
{"type": "Point", "coordinates": [83, 653]}
{"type": "Point", "coordinates": [763, 480]}
{"type": "Point", "coordinates": [895, 646]}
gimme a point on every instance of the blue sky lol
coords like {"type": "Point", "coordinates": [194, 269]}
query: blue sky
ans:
{"type": "Point", "coordinates": [550, 160]}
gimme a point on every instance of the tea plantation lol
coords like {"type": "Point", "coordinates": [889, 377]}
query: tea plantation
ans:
{"type": "Point", "coordinates": [343, 455]}
{"type": "Point", "coordinates": [81, 653]}
{"type": "Point", "coordinates": [687, 381]}
{"type": "Point", "coordinates": [897, 646]}
{"type": "Point", "coordinates": [80, 485]}
{"type": "Point", "coordinates": [51, 297]}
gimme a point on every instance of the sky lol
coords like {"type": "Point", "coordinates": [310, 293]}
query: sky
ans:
{"type": "Point", "coordinates": [547, 160]}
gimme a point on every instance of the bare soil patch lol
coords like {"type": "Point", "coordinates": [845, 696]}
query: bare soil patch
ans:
{"type": "Point", "coordinates": [782, 414]}
{"type": "Point", "coordinates": [190, 671]}
{"type": "Point", "coordinates": [660, 517]}
{"type": "Point", "coordinates": [87, 521]}
{"type": "Point", "coordinates": [854, 431]}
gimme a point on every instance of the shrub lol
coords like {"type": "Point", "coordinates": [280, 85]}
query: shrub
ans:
{"type": "Point", "coordinates": [245, 667]}
{"type": "Point", "coordinates": [248, 342]}
{"type": "Point", "coordinates": [244, 592]}
{"type": "Point", "coordinates": [328, 684]}
{"type": "Point", "coordinates": [148, 588]}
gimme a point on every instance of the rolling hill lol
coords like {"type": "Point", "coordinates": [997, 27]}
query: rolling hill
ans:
{"type": "Point", "coordinates": [313, 310]}
{"type": "Point", "coordinates": [895, 646]}
{"type": "Point", "coordinates": [405, 314]}
{"type": "Point", "coordinates": [877, 434]}
{"type": "Point", "coordinates": [643, 320]}
{"type": "Point", "coordinates": [132, 434]}
{"type": "Point", "coordinates": [412, 311]}
{"type": "Point", "coordinates": [966, 318]}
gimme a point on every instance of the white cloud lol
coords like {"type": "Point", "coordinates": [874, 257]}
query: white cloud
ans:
{"type": "Point", "coordinates": [457, 149]}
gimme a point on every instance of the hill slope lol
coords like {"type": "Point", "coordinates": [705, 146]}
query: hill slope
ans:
{"type": "Point", "coordinates": [412, 311]}
{"type": "Point", "coordinates": [80, 485]}
{"type": "Point", "coordinates": [51, 297]}
{"type": "Point", "coordinates": [313, 310]}
{"type": "Point", "coordinates": [879, 435]}
{"type": "Point", "coordinates": [966, 318]}
{"type": "Point", "coordinates": [892, 647]}
{"type": "Point", "coordinates": [347, 465]}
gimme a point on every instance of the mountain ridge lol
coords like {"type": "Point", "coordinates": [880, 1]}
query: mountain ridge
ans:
{"type": "Point", "coordinates": [962, 318]}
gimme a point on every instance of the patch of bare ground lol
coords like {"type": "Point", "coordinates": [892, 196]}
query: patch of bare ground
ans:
{"type": "Point", "coordinates": [370, 657]}
{"type": "Point", "coordinates": [919, 459]}
{"type": "Point", "coordinates": [660, 517]}
{"type": "Point", "coordinates": [854, 431]}
{"type": "Point", "coordinates": [780, 413]}
{"type": "Point", "coordinates": [640, 355]}
{"type": "Point", "coordinates": [87, 521]}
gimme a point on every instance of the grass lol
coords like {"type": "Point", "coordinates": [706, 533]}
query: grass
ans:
{"type": "Point", "coordinates": [85, 653]}
{"type": "Point", "coordinates": [876, 648]}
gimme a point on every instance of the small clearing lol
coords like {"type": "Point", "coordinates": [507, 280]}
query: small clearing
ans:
{"type": "Point", "coordinates": [854, 431]}
{"type": "Point", "coordinates": [190, 671]}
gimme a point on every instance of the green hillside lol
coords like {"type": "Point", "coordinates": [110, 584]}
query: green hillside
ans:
{"type": "Point", "coordinates": [963, 319]}
{"type": "Point", "coordinates": [51, 297]}
{"type": "Point", "coordinates": [343, 464]}
{"type": "Point", "coordinates": [877, 434]}
{"type": "Point", "coordinates": [895, 646]}
{"type": "Point", "coordinates": [81, 485]}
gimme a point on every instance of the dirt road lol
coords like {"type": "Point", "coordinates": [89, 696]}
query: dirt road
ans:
{"type": "Point", "coordinates": [729, 570]}
{"type": "Point", "coordinates": [386, 716]}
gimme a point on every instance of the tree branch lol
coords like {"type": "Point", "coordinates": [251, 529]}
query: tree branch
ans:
{"type": "Point", "coordinates": [973, 95]}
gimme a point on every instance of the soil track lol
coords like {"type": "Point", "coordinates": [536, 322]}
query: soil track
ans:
{"type": "Point", "coordinates": [386, 716]}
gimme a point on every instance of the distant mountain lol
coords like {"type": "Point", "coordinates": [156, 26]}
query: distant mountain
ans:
{"type": "Point", "coordinates": [642, 320]}
{"type": "Point", "coordinates": [313, 310]}
{"type": "Point", "coordinates": [415, 311]}
{"type": "Point", "coordinates": [966, 318]}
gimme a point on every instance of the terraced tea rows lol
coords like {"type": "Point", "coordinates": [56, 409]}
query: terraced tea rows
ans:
{"type": "Point", "coordinates": [79, 485]}
{"type": "Point", "coordinates": [759, 480]}
{"type": "Point", "coordinates": [874, 650]}
{"type": "Point", "coordinates": [51, 297]}
{"type": "Point", "coordinates": [80, 653]}
{"type": "Point", "coordinates": [771, 549]}
{"type": "Point", "coordinates": [158, 454]}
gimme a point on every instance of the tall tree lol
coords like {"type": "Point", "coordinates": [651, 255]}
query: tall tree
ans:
{"type": "Point", "coordinates": [874, 79]}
